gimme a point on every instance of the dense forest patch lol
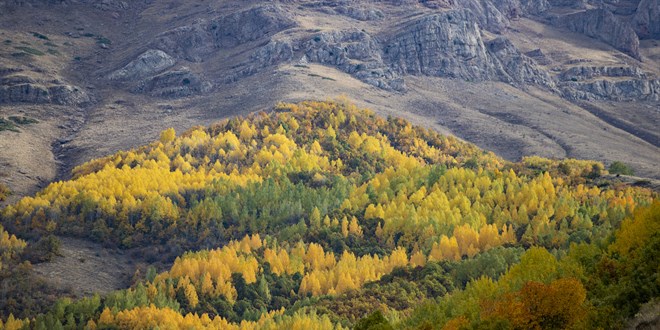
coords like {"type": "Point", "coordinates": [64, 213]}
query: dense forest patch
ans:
{"type": "Point", "coordinates": [321, 215]}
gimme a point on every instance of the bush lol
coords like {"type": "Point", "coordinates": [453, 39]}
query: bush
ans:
{"type": "Point", "coordinates": [4, 192]}
{"type": "Point", "coordinates": [618, 167]}
{"type": "Point", "coordinates": [43, 250]}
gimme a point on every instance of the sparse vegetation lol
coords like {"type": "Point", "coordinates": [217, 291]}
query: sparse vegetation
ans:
{"type": "Point", "coordinates": [22, 120]}
{"type": "Point", "coordinates": [320, 76]}
{"type": "Point", "coordinates": [30, 50]}
{"type": "Point", "coordinates": [7, 125]}
{"type": "Point", "coordinates": [40, 36]}
{"type": "Point", "coordinates": [103, 40]}
{"type": "Point", "coordinates": [11, 123]}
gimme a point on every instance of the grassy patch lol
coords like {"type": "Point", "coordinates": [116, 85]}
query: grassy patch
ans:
{"type": "Point", "coordinates": [7, 41]}
{"type": "Point", "coordinates": [6, 125]}
{"type": "Point", "coordinates": [30, 50]}
{"type": "Point", "coordinates": [103, 40]}
{"type": "Point", "coordinates": [322, 77]}
{"type": "Point", "coordinates": [53, 52]}
{"type": "Point", "coordinates": [40, 36]}
{"type": "Point", "coordinates": [301, 66]}
{"type": "Point", "coordinates": [11, 123]}
{"type": "Point", "coordinates": [22, 120]}
{"type": "Point", "coordinates": [50, 44]}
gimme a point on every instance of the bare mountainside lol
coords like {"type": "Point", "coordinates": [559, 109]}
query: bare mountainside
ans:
{"type": "Point", "coordinates": [81, 79]}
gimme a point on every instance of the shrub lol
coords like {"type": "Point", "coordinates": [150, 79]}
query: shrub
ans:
{"type": "Point", "coordinates": [4, 192]}
{"type": "Point", "coordinates": [618, 167]}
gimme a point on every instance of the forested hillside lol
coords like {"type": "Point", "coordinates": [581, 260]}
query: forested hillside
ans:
{"type": "Point", "coordinates": [321, 215]}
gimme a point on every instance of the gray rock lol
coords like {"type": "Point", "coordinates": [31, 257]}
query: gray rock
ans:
{"type": "Point", "coordinates": [40, 94]}
{"type": "Point", "coordinates": [646, 21]}
{"type": "Point", "coordinates": [489, 16]}
{"type": "Point", "coordinates": [580, 73]}
{"type": "Point", "coordinates": [433, 4]}
{"type": "Point", "coordinates": [603, 25]}
{"type": "Point", "coordinates": [448, 44]}
{"type": "Point", "coordinates": [174, 84]}
{"type": "Point", "coordinates": [361, 13]}
{"type": "Point", "coordinates": [494, 15]}
{"type": "Point", "coordinates": [568, 3]}
{"type": "Point", "coordinates": [24, 93]}
{"type": "Point", "coordinates": [192, 42]}
{"type": "Point", "coordinates": [255, 23]}
{"type": "Point", "coordinates": [197, 41]}
{"type": "Point", "coordinates": [68, 95]}
{"type": "Point", "coordinates": [613, 90]}
{"type": "Point", "coordinates": [515, 67]}
{"type": "Point", "coordinates": [148, 63]}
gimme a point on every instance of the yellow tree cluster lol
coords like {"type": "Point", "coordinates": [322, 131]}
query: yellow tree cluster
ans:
{"type": "Point", "coordinates": [13, 323]}
{"type": "Point", "coordinates": [208, 272]}
{"type": "Point", "coordinates": [350, 272]}
{"type": "Point", "coordinates": [481, 209]}
{"type": "Point", "coordinates": [10, 246]}
{"type": "Point", "coordinates": [151, 317]}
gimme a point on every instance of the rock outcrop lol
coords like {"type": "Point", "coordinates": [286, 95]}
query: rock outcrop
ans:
{"type": "Point", "coordinates": [361, 13]}
{"type": "Point", "coordinates": [613, 90]}
{"type": "Point", "coordinates": [646, 21]}
{"type": "Point", "coordinates": [603, 25]}
{"type": "Point", "coordinates": [22, 89]}
{"type": "Point", "coordinates": [197, 41]}
{"type": "Point", "coordinates": [174, 84]}
{"type": "Point", "coordinates": [488, 16]}
{"type": "Point", "coordinates": [579, 73]}
{"type": "Point", "coordinates": [568, 3]}
{"type": "Point", "coordinates": [515, 67]}
{"type": "Point", "coordinates": [448, 44]}
{"type": "Point", "coordinates": [621, 83]}
{"type": "Point", "coordinates": [148, 63]}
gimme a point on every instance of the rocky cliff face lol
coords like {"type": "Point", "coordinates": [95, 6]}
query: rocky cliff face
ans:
{"type": "Point", "coordinates": [646, 21]}
{"type": "Point", "coordinates": [444, 45]}
{"type": "Point", "coordinates": [603, 25]}
{"type": "Point", "coordinates": [516, 68]}
{"type": "Point", "coordinates": [447, 44]}
{"type": "Point", "coordinates": [613, 90]}
{"type": "Point", "coordinates": [18, 88]}
{"type": "Point", "coordinates": [197, 41]}
{"type": "Point", "coordinates": [622, 84]}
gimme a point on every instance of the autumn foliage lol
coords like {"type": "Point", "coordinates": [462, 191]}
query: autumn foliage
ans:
{"type": "Point", "coordinates": [318, 214]}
